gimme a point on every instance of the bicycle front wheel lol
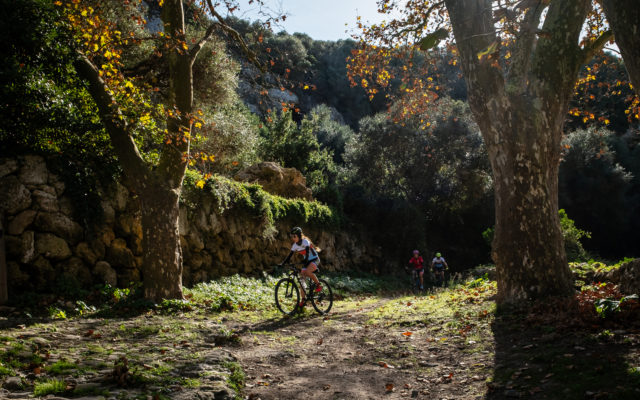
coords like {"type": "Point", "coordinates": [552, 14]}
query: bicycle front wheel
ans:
{"type": "Point", "coordinates": [323, 300]}
{"type": "Point", "coordinates": [287, 296]}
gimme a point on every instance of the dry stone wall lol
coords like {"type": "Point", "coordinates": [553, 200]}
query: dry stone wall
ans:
{"type": "Point", "coordinates": [47, 246]}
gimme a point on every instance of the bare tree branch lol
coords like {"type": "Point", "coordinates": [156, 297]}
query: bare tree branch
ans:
{"type": "Point", "coordinates": [591, 48]}
{"type": "Point", "coordinates": [193, 52]}
{"type": "Point", "coordinates": [236, 36]}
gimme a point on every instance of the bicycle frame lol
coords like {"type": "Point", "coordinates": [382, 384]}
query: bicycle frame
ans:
{"type": "Point", "coordinates": [294, 273]}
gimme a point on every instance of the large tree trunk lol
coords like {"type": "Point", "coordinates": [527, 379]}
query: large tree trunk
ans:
{"type": "Point", "coordinates": [527, 247]}
{"type": "Point", "coordinates": [624, 19]}
{"type": "Point", "coordinates": [162, 257]}
{"type": "Point", "coordinates": [4, 295]}
{"type": "Point", "coordinates": [520, 113]}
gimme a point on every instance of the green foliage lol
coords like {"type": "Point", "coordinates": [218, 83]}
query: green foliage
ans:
{"type": "Point", "coordinates": [234, 292]}
{"type": "Point", "coordinates": [237, 377]}
{"type": "Point", "coordinates": [6, 371]}
{"type": "Point", "coordinates": [231, 136]}
{"type": "Point", "coordinates": [60, 367]}
{"type": "Point", "coordinates": [478, 282]}
{"type": "Point", "coordinates": [49, 386]}
{"type": "Point", "coordinates": [487, 235]}
{"type": "Point", "coordinates": [175, 306]}
{"type": "Point", "coordinates": [432, 39]}
{"type": "Point", "coordinates": [594, 189]}
{"type": "Point", "coordinates": [227, 194]}
{"type": "Point", "coordinates": [293, 146]}
{"type": "Point", "coordinates": [365, 283]}
{"type": "Point", "coordinates": [56, 313]}
{"type": "Point", "coordinates": [430, 184]}
{"type": "Point", "coordinates": [572, 235]}
{"type": "Point", "coordinates": [606, 307]}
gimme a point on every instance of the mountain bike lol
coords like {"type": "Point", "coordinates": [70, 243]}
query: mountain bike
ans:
{"type": "Point", "coordinates": [415, 282]}
{"type": "Point", "coordinates": [287, 293]}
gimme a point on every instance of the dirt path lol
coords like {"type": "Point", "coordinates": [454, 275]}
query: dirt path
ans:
{"type": "Point", "coordinates": [347, 355]}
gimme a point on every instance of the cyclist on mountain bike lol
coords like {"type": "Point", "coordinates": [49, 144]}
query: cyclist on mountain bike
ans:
{"type": "Point", "coordinates": [418, 266]}
{"type": "Point", "coordinates": [304, 246]}
{"type": "Point", "coordinates": [438, 264]}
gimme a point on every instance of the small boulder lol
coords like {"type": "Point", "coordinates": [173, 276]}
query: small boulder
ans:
{"type": "Point", "coordinates": [106, 235]}
{"type": "Point", "coordinates": [21, 222]}
{"type": "Point", "coordinates": [13, 383]}
{"type": "Point", "coordinates": [127, 276]}
{"type": "Point", "coordinates": [84, 251]}
{"type": "Point", "coordinates": [34, 171]}
{"type": "Point", "coordinates": [57, 184]}
{"type": "Point", "coordinates": [59, 224]}
{"type": "Point", "coordinates": [43, 273]}
{"type": "Point", "coordinates": [45, 201]}
{"type": "Point", "coordinates": [15, 196]}
{"type": "Point", "coordinates": [52, 246]}
{"type": "Point", "coordinates": [285, 182]}
{"type": "Point", "coordinates": [7, 166]}
{"type": "Point", "coordinates": [106, 274]}
{"type": "Point", "coordinates": [108, 213]}
{"type": "Point", "coordinates": [66, 206]}
{"type": "Point", "coordinates": [74, 270]}
{"type": "Point", "coordinates": [21, 248]}
{"type": "Point", "coordinates": [119, 256]}
{"type": "Point", "coordinates": [629, 274]}
{"type": "Point", "coordinates": [15, 275]}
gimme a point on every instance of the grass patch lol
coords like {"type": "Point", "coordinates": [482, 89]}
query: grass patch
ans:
{"type": "Point", "coordinates": [60, 367]}
{"type": "Point", "coordinates": [6, 371]}
{"type": "Point", "coordinates": [236, 378]}
{"type": "Point", "coordinates": [234, 293]}
{"type": "Point", "coordinates": [191, 383]}
{"type": "Point", "coordinates": [50, 386]}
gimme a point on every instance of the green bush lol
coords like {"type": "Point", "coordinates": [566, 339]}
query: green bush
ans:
{"type": "Point", "coordinates": [50, 386]}
{"type": "Point", "coordinates": [572, 236]}
{"type": "Point", "coordinates": [251, 198]}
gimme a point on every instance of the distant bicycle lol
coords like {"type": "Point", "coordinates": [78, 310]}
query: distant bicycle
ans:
{"type": "Point", "coordinates": [415, 282]}
{"type": "Point", "coordinates": [288, 293]}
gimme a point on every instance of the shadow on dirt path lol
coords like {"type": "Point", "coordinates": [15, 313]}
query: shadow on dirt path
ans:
{"type": "Point", "coordinates": [345, 356]}
{"type": "Point", "coordinates": [549, 362]}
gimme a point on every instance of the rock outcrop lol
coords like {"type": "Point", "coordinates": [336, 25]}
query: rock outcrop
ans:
{"type": "Point", "coordinates": [285, 182]}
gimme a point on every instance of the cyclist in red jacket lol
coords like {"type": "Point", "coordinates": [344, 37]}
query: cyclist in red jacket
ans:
{"type": "Point", "coordinates": [418, 266]}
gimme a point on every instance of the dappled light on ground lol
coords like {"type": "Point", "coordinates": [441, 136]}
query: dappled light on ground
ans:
{"type": "Point", "coordinates": [227, 340]}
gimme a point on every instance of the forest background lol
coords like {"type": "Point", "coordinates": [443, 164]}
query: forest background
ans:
{"type": "Point", "coordinates": [409, 183]}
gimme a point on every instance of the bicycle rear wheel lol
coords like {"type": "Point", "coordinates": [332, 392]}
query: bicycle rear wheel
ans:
{"type": "Point", "coordinates": [322, 300]}
{"type": "Point", "coordinates": [287, 296]}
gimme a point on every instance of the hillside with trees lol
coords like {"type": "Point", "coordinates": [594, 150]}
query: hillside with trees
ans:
{"type": "Point", "coordinates": [155, 154]}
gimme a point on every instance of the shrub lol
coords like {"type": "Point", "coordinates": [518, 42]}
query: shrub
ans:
{"type": "Point", "coordinates": [50, 386]}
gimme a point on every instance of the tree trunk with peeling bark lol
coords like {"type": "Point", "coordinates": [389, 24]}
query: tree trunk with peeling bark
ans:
{"type": "Point", "coordinates": [159, 187]}
{"type": "Point", "coordinates": [624, 18]}
{"type": "Point", "coordinates": [4, 294]}
{"type": "Point", "coordinates": [162, 269]}
{"type": "Point", "coordinates": [520, 113]}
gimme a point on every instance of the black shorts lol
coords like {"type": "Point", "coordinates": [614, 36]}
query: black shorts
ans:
{"type": "Point", "coordinates": [316, 261]}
